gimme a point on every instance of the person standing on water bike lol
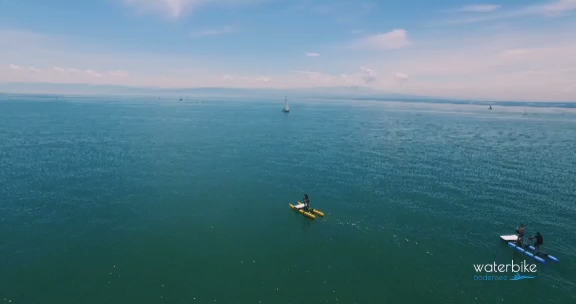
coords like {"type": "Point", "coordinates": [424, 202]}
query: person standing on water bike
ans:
{"type": "Point", "coordinates": [306, 202]}
{"type": "Point", "coordinates": [520, 232]}
{"type": "Point", "coordinates": [539, 241]}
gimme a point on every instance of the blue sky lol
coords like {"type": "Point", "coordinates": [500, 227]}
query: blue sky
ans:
{"type": "Point", "coordinates": [471, 49]}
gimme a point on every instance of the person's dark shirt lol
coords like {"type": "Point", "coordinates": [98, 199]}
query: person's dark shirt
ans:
{"type": "Point", "coordinates": [539, 240]}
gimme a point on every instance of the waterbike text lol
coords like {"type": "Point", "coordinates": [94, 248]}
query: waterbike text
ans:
{"type": "Point", "coordinates": [512, 267]}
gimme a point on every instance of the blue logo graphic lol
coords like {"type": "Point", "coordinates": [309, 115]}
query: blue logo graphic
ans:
{"type": "Point", "coordinates": [519, 277]}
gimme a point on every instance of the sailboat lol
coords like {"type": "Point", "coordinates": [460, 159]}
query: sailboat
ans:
{"type": "Point", "coordinates": [286, 108]}
{"type": "Point", "coordinates": [490, 108]}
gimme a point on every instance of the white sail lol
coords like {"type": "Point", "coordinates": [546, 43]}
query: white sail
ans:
{"type": "Point", "coordinates": [286, 106]}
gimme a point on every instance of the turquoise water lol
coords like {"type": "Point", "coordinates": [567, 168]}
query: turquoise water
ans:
{"type": "Point", "coordinates": [117, 200]}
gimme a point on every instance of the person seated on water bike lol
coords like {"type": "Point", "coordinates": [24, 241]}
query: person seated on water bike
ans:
{"type": "Point", "coordinates": [520, 232]}
{"type": "Point", "coordinates": [538, 241]}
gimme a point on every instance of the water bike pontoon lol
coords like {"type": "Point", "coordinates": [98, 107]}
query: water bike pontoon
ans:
{"type": "Point", "coordinates": [528, 250]}
{"type": "Point", "coordinates": [311, 213]}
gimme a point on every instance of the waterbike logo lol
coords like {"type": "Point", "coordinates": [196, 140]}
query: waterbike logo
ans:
{"type": "Point", "coordinates": [518, 277]}
{"type": "Point", "coordinates": [500, 272]}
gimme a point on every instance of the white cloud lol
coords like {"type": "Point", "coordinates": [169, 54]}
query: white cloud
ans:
{"type": "Point", "coordinates": [401, 80]}
{"type": "Point", "coordinates": [553, 8]}
{"type": "Point", "coordinates": [365, 76]}
{"type": "Point", "coordinates": [313, 54]}
{"type": "Point", "coordinates": [172, 8]}
{"type": "Point", "coordinates": [215, 31]}
{"type": "Point", "coordinates": [59, 74]}
{"type": "Point", "coordinates": [401, 76]}
{"type": "Point", "coordinates": [23, 69]}
{"type": "Point", "coordinates": [395, 39]}
{"type": "Point", "coordinates": [312, 79]}
{"type": "Point", "coordinates": [368, 75]}
{"type": "Point", "coordinates": [556, 56]}
{"type": "Point", "coordinates": [478, 8]}
{"type": "Point", "coordinates": [244, 80]}
{"type": "Point", "coordinates": [549, 9]}
{"type": "Point", "coordinates": [93, 73]}
{"type": "Point", "coordinates": [178, 8]}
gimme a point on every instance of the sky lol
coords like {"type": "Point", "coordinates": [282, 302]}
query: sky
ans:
{"type": "Point", "coordinates": [503, 49]}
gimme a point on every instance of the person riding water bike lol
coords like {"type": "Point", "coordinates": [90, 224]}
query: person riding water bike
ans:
{"type": "Point", "coordinates": [520, 232]}
{"type": "Point", "coordinates": [538, 241]}
{"type": "Point", "coordinates": [306, 202]}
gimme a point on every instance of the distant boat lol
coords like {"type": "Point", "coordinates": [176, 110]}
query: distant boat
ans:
{"type": "Point", "coordinates": [286, 108]}
{"type": "Point", "coordinates": [490, 108]}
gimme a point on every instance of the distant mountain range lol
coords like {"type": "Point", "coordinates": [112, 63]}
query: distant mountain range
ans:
{"type": "Point", "coordinates": [335, 93]}
{"type": "Point", "coordinates": [84, 89]}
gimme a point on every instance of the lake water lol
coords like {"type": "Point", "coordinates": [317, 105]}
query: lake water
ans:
{"type": "Point", "coordinates": [135, 200]}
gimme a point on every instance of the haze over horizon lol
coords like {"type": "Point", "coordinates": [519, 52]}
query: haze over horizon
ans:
{"type": "Point", "coordinates": [507, 50]}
